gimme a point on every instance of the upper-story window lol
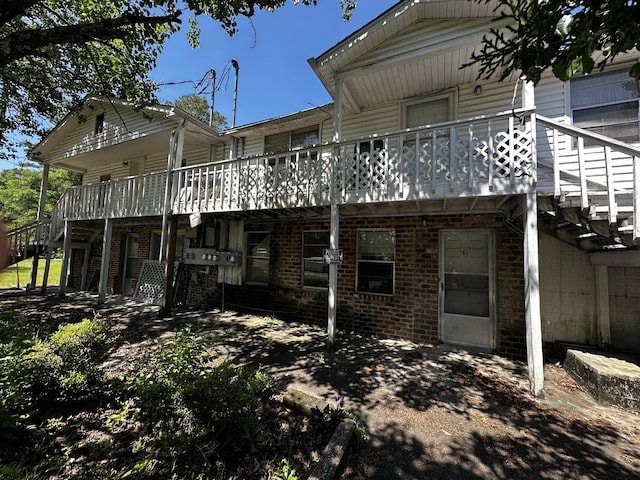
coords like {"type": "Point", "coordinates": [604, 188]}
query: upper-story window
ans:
{"type": "Point", "coordinates": [282, 142]}
{"type": "Point", "coordinates": [428, 112]}
{"type": "Point", "coordinates": [99, 125]}
{"type": "Point", "coordinates": [607, 104]}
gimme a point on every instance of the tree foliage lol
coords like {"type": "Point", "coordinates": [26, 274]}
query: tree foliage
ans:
{"type": "Point", "coordinates": [53, 53]}
{"type": "Point", "coordinates": [198, 107]}
{"type": "Point", "coordinates": [567, 36]}
{"type": "Point", "coordinates": [20, 193]}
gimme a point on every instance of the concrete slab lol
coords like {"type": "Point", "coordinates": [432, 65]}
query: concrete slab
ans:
{"type": "Point", "coordinates": [611, 379]}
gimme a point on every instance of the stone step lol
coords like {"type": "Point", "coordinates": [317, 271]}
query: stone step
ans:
{"type": "Point", "coordinates": [612, 379]}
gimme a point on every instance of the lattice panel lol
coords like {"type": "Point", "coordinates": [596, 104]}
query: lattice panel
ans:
{"type": "Point", "coordinates": [150, 285]}
{"type": "Point", "coordinates": [522, 152]}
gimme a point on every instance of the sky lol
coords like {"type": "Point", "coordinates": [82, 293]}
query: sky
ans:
{"type": "Point", "coordinates": [271, 49]}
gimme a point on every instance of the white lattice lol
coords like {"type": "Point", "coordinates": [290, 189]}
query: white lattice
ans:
{"type": "Point", "coordinates": [150, 286]}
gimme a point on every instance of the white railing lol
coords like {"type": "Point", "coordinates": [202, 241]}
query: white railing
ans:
{"type": "Point", "coordinates": [26, 240]}
{"type": "Point", "coordinates": [474, 157]}
{"type": "Point", "coordinates": [126, 197]}
{"type": "Point", "coordinates": [603, 174]}
{"type": "Point", "coordinates": [488, 155]}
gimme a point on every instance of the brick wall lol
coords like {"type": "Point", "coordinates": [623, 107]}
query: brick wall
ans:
{"type": "Point", "coordinates": [412, 312]}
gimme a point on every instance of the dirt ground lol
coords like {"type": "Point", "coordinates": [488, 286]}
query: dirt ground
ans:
{"type": "Point", "coordinates": [433, 412]}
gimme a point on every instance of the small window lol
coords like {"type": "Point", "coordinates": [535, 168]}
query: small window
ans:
{"type": "Point", "coordinates": [315, 273]}
{"type": "Point", "coordinates": [285, 141]}
{"type": "Point", "coordinates": [428, 112]}
{"type": "Point", "coordinates": [99, 125]}
{"type": "Point", "coordinates": [376, 261]}
{"type": "Point", "coordinates": [607, 104]}
{"type": "Point", "coordinates": [257, 258]}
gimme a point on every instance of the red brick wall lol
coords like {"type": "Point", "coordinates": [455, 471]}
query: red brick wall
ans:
{"type": "Point", "coordinates": [412, 312]}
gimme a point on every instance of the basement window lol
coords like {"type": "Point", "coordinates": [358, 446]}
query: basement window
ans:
{"type": "Point", "coordinates": [257, 258]}
{"type": "Point", "coordinates": [376, 262]}
{"type": "Point", "coordinates": [315, 273]}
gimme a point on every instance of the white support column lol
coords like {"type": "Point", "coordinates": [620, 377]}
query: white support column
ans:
{"type": "Point", "coordinates": [41, 204]}
{"type": "Point", "coordinates": [335, 225]}
{"type": "Point", "coordinates": [602, 305]}
{"type": "Point", "coordinates": [106, 258]}
{"type": "Point", "coordinates": [85, 268]}
{"type": "Point", "coordinates": [66, 254]}
{"type": "Point", "coordinates": [535, 359]}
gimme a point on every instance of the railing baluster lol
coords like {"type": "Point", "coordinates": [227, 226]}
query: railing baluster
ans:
{"type": "Point", "coordinates": [611, 193]}
{"type": "Point", "coordinates": [491, 156]}
{"type": "Point", "coordinates": [452, 158]}
{"type": "Point", "coordinates": [512, 173]}
{"type": "Point", "coordinates": [471, 157]}
{"type": "Point", "coordinates": [434, 160]}
{"type": "Point", "coordinates": [584, 195]}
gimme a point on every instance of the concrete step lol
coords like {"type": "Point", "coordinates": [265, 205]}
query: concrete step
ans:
{"type": "Point", "coordinates": [612, 379]}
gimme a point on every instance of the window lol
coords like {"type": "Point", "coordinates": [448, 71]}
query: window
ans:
{"type": "Point", "coordinates": [607, 104]}
{"type": "Point", "coordinates": [428, 112]}
{"type": "Point", "coordinates": [376, 261]}
{"type": "Point", "coordinates": [257, 258]}
{"type": "Point", "coordinates": [99, 125]}
{"type": "Point", "coordinates": [315, 273]}
{"type": "Point", "coordinates": [282, 142]}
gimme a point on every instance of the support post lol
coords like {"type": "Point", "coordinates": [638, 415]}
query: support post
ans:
{"type": "Point", "coordinates": [39, 235]}
{"type": "Point", "coordinates": [535, 360]}
{"type": "Point", "coordinates": [602, 306]}
{"type": "Point", "coordinates": [66, 254]}
{"type": "Point", "coordinates": [170, 256]}
{"type": "Point", "coordinates": [85, 268]}
{"type": "Point", "coordinates": [106, 258]}
{"type": "Point", "coordinates": [333, 279]}
{"type": "Point", "coordinates": [332, 298]}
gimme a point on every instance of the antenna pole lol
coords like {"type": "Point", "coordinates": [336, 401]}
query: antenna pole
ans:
{"type": "Point", "coordinates": [213, 94]}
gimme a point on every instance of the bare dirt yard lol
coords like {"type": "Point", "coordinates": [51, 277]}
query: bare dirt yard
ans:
{"type": "Point", "coordinates": [432, 412]}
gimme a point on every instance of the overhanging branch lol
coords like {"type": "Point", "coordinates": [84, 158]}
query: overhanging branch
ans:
{"type": "Point", "coordinates": [25, 43]}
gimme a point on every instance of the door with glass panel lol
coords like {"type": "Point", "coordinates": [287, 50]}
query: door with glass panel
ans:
{"type": "Point", "coordinates": [467, 288]}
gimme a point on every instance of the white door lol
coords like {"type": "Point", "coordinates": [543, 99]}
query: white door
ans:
{"type": "Point", "coordinates": [130, 264]}
{"type": "Point", "coordinates": [467, 288]}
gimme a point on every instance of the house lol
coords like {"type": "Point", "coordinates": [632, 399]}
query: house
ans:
{"type": "Point", "coordinates": [422, 203]}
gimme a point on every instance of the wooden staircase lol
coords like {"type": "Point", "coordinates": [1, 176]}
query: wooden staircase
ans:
{"type": "Point", "coordinates": [27, 241]}
{"type": "Point", "coordinates": [595, 204]}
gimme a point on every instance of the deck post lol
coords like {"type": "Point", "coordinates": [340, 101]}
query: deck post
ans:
{"type": "Point", "coordinates": [332, 297]}
{"type": "Point", "coordinates": [535, 359]}
{"type": "Point", "coordinates": [85, 268]}
{"type": "Point", "coordinates": [66, 253]}
{"type": "Point", "coordinates": [106, 258]}
{"type": "Point", "coordinates": [41, 204]}
{"type": "Point", "coordinates": [169, 221]}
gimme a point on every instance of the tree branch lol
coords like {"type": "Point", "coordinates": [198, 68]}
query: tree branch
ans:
{"type": "Point", "coordinates": [10, 9]}
{"type": "Point", "coordinates": [25, 43]}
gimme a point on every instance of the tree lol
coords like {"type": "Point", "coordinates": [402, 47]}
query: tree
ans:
{"type": "Point", "coordinates": [198, 107]}
{"type": "Point", "coordinates": [20, 193]}
{"type": "Point", "coordinates": [53, 53]}
{"type": "Point", "coordinates": [567, 36]}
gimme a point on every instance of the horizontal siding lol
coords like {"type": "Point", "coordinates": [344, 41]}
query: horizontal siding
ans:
{"type": "Point", "coordinates": [372, 120]}
{"type": "Point", "coordinates": [120, 125]}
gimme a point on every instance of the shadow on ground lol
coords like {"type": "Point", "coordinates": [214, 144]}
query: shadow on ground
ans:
{"type": "Point", "coordinates": [433, 411]}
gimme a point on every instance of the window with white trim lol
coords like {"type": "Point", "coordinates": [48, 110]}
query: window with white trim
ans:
{"type": "Point", "coordinates": [376, 262]}
{"type": "Point", "coordinates": [607, 104]}
{"type": "Point", "coordinates": [315, 273]}
{"type": "Point", "coordinates": [257, 258]}
{"type": "Point", "coordinates": [427, 112]}
{"type": "Point", "coordinates": [282, 142]}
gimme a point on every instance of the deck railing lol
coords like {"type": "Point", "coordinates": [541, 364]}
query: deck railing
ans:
{"type": "Point", "coordinates": [600, 173]}
{"type": "Point", "coordinates": [488, 155]}
{"type": "Point", "coordinates": [27, 240]}
{"type": "Point", "coordinates": [473, 157]}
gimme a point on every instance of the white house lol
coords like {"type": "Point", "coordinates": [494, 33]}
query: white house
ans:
{"type": "Point", "coordinates": [422, 203]}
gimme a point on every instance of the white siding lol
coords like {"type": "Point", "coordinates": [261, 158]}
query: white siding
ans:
{"type": "Point", "coordinates": [120, 125]}
{"type": "Point", "coordinates": [567, 293]}
{"type": "Point", "coordinates": [379, 119]}
{"type": "Point", "coordinates": [624, 308]}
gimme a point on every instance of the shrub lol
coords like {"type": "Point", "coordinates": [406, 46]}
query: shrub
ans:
{"type": "Point", "coordinates": [65, 366]}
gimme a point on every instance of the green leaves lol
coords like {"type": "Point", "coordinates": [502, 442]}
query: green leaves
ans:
{"type": "Point", "coordinates": [568, 37]}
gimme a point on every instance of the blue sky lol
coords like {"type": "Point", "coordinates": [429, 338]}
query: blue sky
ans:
{"type": "Point", "coordinates": [271, 49]}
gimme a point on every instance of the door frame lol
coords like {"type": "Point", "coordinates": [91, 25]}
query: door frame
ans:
{"type": "Point", "coordinates": [493, 316]}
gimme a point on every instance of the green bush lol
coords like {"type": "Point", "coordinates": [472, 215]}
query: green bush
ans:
{"type": "Point", "coordinates": [199, 411]}
{"type": "Point", "coordinates": [63, 367]}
